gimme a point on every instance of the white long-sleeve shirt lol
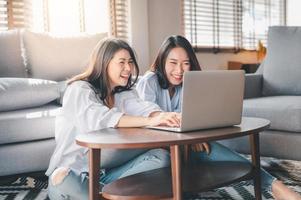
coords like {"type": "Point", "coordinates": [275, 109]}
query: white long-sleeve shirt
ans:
{"type": "Point", "coordinates": [83, 112]}
{"type": "Point", "coordinates": [149, 89]}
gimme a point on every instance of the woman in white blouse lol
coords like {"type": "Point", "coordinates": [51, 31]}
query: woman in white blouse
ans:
{"type": "Point", "coordinates": [163, 85]}
{"type": "Point", "coordinates": [101, 97]}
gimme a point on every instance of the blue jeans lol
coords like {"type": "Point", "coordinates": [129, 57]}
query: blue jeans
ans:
{"type": "Point", "coordinates": [75, 187]}
{"type": "Point", "coordinates": [219, 152]}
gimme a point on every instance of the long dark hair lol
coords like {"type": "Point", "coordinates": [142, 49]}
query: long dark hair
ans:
{"type": "Point", "coordinates": [159, 65]}
{"type": "Point", "coordinates": [96, 71]}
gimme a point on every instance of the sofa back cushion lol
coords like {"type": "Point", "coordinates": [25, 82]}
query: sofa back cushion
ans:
{"type": "Point", "coordinates": [20, 93]}
{"type": "Point", "coordinates": [282, 67]}
{"type": "Point", "coordinates": [11, 63]}
{"type": "Point", "coordinates": [58, 58]}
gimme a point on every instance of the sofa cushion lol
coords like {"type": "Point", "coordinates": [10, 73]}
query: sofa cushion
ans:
{"type": "Point", "coordinates": [28, 124]}
{"type": "Point", "coordinates": [282, 67]}
{"type": "Point", "coordinates": [284, 112]}
{"type": "Point", "coordinates": [58, 58]}
{"type": "Point", "coordinates": [11, 62]}
{"type": "Point", "coordinates": [25, 157]}
{"type": "Point", "coordinates": [18, 93]}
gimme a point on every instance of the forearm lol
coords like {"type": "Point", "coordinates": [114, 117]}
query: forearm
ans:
{"type": "Point", "coordinates": [154, 119]}
{"type": "Point", "coordinates": [133, 121]}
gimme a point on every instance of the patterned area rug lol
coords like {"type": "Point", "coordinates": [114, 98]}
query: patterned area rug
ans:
{"type": "Point", "coordinates": [35, 187]}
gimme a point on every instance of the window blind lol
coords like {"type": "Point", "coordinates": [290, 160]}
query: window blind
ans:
{"type": "Point", "coordinates": [119, 18]}
{"type": "Point", "coordinates": [258, 16]}
{"type": "Point", "coordinates": [65, 17]}
{"type": "Point", "coordinates": [230, 24]}
{"type": "Point", "coordinates": [3, 15]}
{"type": "Point", "coordinates": [12, 14]}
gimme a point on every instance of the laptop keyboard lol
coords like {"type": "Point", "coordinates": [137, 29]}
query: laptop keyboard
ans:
{"type": "Point", "coordinates": [167, 128]}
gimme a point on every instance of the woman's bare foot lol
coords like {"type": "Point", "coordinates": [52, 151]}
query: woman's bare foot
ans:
{"type": "Point", "coordinates": [282, 192]}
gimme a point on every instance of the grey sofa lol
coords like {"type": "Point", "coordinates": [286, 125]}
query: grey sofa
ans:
{"type": "Point", "coordinates": [274, 93]}
{"type": "Point", "coordinates": [33, 68]}
{"type": "Point", "coordinates": [27, 129]}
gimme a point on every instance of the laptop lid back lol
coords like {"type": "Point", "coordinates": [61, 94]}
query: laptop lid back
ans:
{"type": "Point", "coordinates": [212, 99]}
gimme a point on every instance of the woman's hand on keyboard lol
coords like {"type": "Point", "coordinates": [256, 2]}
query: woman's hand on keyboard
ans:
{"type": "Point", "coordinates": [171, 119]}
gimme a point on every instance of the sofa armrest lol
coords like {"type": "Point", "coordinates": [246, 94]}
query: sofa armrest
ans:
{"type": "Point", "coordinates": [253, 85]}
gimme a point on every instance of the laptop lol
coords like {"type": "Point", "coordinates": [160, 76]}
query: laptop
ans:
{"type": "Point", "coordinates": [210, 99]}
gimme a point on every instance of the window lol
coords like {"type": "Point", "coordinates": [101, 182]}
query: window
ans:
{"type": "Point", "coordinates": [230, 24]}
{"type": "Point", "coordinates": [66, 17]}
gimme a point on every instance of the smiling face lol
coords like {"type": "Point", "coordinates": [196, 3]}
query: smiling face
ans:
{"type": "Point", "coordinates": [177, 62]}
{"type": "Point", "coordinates": [120, 68]}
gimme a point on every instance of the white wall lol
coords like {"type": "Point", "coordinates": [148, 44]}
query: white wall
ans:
{"type": "Point", "coordinates": [139, 31]}
{"type": "Point", "coordinates": [164, 19]}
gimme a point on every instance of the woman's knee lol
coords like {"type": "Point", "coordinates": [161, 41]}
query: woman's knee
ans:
{"type": "Point", "coordinates": [220, 152]}
{"type": "Point", "coordinates": [71, 187]}
{"type": "Point", "coordinates": [160, 155]}
{"type": "Point", "coordinates": [220, 149]}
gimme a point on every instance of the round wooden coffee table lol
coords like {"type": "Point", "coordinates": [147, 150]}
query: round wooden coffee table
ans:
{"type": "Point", "coordinates": [166, 182]}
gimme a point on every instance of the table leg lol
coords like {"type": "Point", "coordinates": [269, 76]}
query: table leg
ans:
{"type": "Point", "coordinates": [254, 142]}
{"type": "Point", "coordinates": [94, 168]}
{"type": "Point", "coordinates": [175, 153]}
{"type": "Point", "coordinates": [187, 154]}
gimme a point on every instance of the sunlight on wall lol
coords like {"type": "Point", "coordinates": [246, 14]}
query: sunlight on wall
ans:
{"type": "Point", "coordinates": [67, 17]}
{"type": "Point", "coordinates": [63, 16]}
{"type": "Point", "coordinates": [97, 16]}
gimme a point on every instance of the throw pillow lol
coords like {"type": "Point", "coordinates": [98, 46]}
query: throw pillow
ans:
{"type": "Point", "coordinates": [282, 66]}
{"type": "Point", "coordinates": [58, 58]}
{"type": "Point", "coordinates": [19, 93]}
{"type": "Point", "coordinates": [11, 62]}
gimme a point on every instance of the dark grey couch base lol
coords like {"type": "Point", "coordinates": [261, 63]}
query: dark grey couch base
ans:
{"type": "Point", "coordinates": [277, 144]}
{"type": "Point", "coordinates": [25, 157]}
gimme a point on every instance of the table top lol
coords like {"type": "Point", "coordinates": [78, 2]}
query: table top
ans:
{"type": "Point", "coordinates": [126, 138]}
